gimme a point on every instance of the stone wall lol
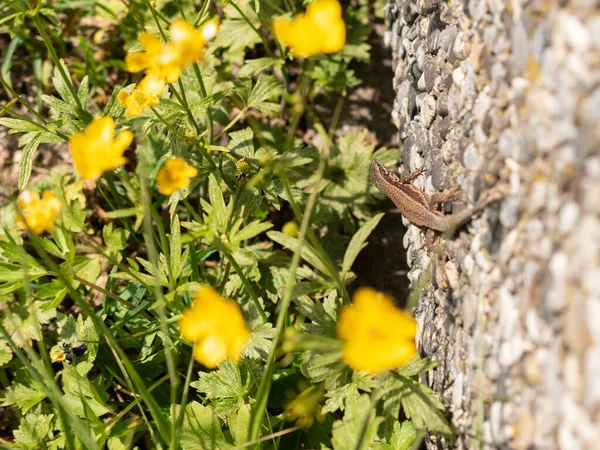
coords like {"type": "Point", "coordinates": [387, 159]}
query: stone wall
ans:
{"type": "Point", "coordinates": [496, 93]}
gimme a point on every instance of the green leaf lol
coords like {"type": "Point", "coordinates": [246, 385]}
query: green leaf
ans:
{"type": "Point", "coordinates": [239, 424]}
{"type": "Point", "coordinates": [208, 101]}
{"type": "Point", "coordinates": [357, 243]}
{"type": "Point", "coordinates": [13, 272]}
{"type": "Point", "coordinates": [25, 396]}
{"type": "Point", "coordinates": [235, 33]}
{"type": "Point", "coordinates": [419, 404]}
{"type": "Point", "coordinates": [358, 428]}
{"type": "Point", "coordinates": [61, 85]}
{"type": "Point", "coordinates": [403, 436]}
{"type": "Point", "coordinates": [349, 392]}
{"type": "Point", "coordinates": [241, 143]}
{"type": "Point", "coordinates": [253, 229]}
{"type": "Point", "coordinates": [83, 91]}
{"type": "Point", "coordinates": [80, 394]}
{"type": "Point", "coordinates": [19, 126]}
{"type": "Point", "coordinates": [57, 106]}
{"type": "Point", "coordinates": [266, 88]}
{"type": "Point", "coordinates": [113, 107]}
{"type": "Point", "coordinates": [5, 352]}
{"type": "Point", "coordinates": [260, 342]}
{"type": "Point", "coordinates": [227, 387]}
{"type": "Point", "coordinates": [254, 66]}
{"type": "Point", "coordinates": [26, 162]}
{"type": "Point", "coordinates": [33, 431]}
{"type": "Point", "coordinates": [322, 367]}
{"type": "Point", "coordinates": [201, 429]}
{"type": "Point", "coordinates": [307, 253]}
{"type": "Point", "coordinates": [417, 365]}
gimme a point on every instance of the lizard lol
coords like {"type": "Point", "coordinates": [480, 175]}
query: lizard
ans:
{"type": "Point", "coordinates": [419, 208]}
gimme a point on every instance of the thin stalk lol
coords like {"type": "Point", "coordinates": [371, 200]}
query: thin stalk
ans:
{"type": "Point", "coordinates": [239, 115]}
{"type": "Point", "coordinates": [21, 101]}
{"type": "Point", "coordinates": [259, 408]}
{"type": "Point", "coordinates": [27, 119]}
{"type": "Point", "coordinates": [256, 30]}
{"type": "Point", "coordinates": [155, 410]}
{"type": "Point", "coordinates": [67, 80]}
{"type": "Point", "coordinates": [222, 247]}
{"type": "Point", "coordinates": [153, 258]}
{"type": "Point", "coordinates": [178, 424]}
{"type": "Point", "coordinates": [211, 127]}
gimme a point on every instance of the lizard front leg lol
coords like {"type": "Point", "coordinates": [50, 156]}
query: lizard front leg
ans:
{"type": "Point", "coordinates": [411, 176]}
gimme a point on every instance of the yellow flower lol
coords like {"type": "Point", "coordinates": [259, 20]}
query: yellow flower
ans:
{"type": "Point", "coordinates": [160, 60]}
{"type": "Point", "coordinates": [96, 150]}
{"type": "Point", "coordinates": [174, 174]}
{"type": "Point", "coordinates": [377, 336]}
{"type": "Point", "coordinates": [146, 94]}
{"type": "Point", "coordinates": [216, 326]}
{"type": "Point", "coordinates": [37, 214]}
{"type": "Point", "coordinates": [190, 41]}
{"type": "Point", "coordinates": [320, 30]}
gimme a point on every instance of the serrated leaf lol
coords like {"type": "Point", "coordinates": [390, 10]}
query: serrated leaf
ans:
{"type": "Point", "coordinates": [357, 243]}
{"type": "Point", "coordinates": [217, 202]}
{"type": "Point", "coordinates": [33, 431]}
{"type": "Point", "coordinates": [57, 106]}
{"type": "Point", "coordinates": [5, 352]}
{"type": "Point", "coordinates": [254, 66]}
{"type": "Point", "coordinates": [83, 91]}
{"type": "Point", "coordinates": [208, 101]}
{"type": "Point", "coordinates": [241, 143]}
{"type": "Point", "coordinates": [62, 86]}
{"type": "Point", "coordinates": [113, 108]}
{"type": "Point", "coordinates": [403, 435]}
{"type": "Point", "coordinates": [235, 33]}
{"type": "Point", "coordinates": [201, 429]}
{"type": "Point", "coordinates": [419, 404]}
{"type": "Point", "coordinates": [80, 394]}
{"type": "Point", "coordinates": [267, 88]}
{"type": "Point", "coordinates": [25, 164]}
{"type": "Point", "coordinates": [24, 396]}
{"type": "Point", "coordinates": [19, 126]}
{"type": "Point", "coordinates": [358, 428]}
{"type": "Point", "coordinates": [417, 365]}
{"type": "Point", "coordinates": [239, 424]}
{"type": "Point", "coordinates": [13, 272]}
{"type": "Point", "coordinates": [260, 342]}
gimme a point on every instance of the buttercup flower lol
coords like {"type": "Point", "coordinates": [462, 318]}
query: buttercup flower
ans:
{"type": "Point", "coordinates": [146, 94]}
{"type": "Point", "coordinates": [37, 214]}
{"type": "Point", "coordinates": [174, 174]}
{"type": "Point", "coordinates": [96, 150]}
{"type": "Point", "coordinates": [191, 41]}
{"type": "Point", "coordinates": [165, 60]}
{"type": "Point", "coordinates": [377, 336]}
{"type": "Point", "coordinates": [320, 30]}
{"type": "Point", "coordinates": [160, 60]}
{"type": "Point", "coordinates": [216, 326]}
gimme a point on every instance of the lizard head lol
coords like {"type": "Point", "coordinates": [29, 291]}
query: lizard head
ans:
{"type": "Point", "coordinates": [381, 176]}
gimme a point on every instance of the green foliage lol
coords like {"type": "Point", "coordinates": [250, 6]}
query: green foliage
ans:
{"type": "Point", "coordinates": [91, 350]}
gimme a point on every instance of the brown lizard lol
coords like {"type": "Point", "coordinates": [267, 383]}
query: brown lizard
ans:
{"type": "Point", "coordinates": [419, 208]}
